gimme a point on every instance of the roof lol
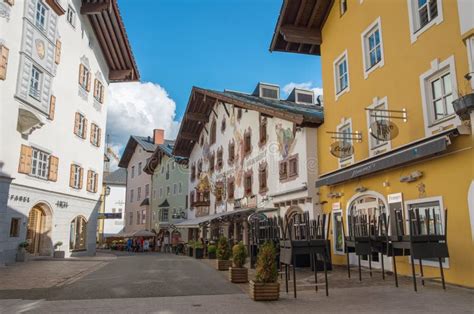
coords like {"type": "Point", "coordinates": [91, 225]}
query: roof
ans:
{"type": "Point", "coordinates": [107, 23]}
{"type": "Point", "coordinates": [118, 177]}
{"type": "Point", "coordinates": [202, 101]}
{"type": "Point", "coordinates": [163, 149]}
{"type": "Point", "coordinates": [299, 26]}
{"type": "Point", "coordinates": [145, 142]}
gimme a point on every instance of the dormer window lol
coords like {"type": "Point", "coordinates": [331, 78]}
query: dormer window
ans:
{"type": "Point", "coordinates": [269, 91]}
{"type": "Point", "coordinates": [304, 97]}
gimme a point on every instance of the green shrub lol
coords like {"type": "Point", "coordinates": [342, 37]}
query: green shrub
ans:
{"type": "Point", "coordinates": [211, 249]}
{"type": "Point", "coordinates": [223, 250]}
{"type": "Point", "coordinates": [23, 245]}
{"type": "Point", "coordinates": [197, 245]}
{"type": "Point", "coordinates": [266, 269]}
{"type": "Point", "coordinates": [239, 254]}
{"type": "Point", "coordinates": [58, 245]}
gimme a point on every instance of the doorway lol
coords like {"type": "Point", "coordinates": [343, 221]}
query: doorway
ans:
{"type": "Point", "coordinates": [38, 233]}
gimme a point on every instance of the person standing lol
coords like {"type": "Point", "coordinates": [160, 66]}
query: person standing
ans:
{"type": "Point", "coordinates": [166, 244]}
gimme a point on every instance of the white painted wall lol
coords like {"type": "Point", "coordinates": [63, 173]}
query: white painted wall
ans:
{"type": "Point", "coordinates": [115, 202]}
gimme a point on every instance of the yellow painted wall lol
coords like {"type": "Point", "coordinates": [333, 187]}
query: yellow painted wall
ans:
{"type": "Point", "coordinates": [448, 176]}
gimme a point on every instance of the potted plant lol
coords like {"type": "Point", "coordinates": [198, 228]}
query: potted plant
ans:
{"type": "Point", "coordinates": [265, 287]}
{"type": "Point", "coordinates": [211, 251]}
{"type": "Point", "coordinates": [190, 248]}
{"type": "Point", "coordinates": [464, 105]}
{"type": "Point", "coordinates": [198, 249]}
{"type": "Point", "coordinates": [21, 254]}
{"type": "Point", "coordinates": [58, 253]}
{"type": "Point", "coordinates": [223, 254]}
{"type": "Point", "coordinates": [238, 273]}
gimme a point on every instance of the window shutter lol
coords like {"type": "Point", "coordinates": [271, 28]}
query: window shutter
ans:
{"type": "Point", "coordinates": [81, 73]}
{"type": "Point", "coordinates": [88, 88]}
{"type": "Point", "coordinates": [96, 180]}
{"type": "Point", "coordinates": [102, 95]}
{"type": "Point", "coordinates": [99, 133]}
{"type": "Point", "coordinates": [53, 168]}
{"type": "Point", "coordinates": [57, 56]}
{"type": "Point", "coordinates": [76, 123]}
{"type": "Point", "coordinates": [26, 153]}
{"type": "Point", "coordinates": [91, 137]}
{"type": "Point", "coordinates": [88, 183]}
{"type": "Point", "coordinates": [95, 88]}
{"type": "Point", "coordinates": [52, 107]}
{"type": "Point", "coordinates": [71, 176]}
{"type": "Point", "coordinates": [81, 173]}
{"type": "Point", "coordinates": [10, 2]}
{"type": "Point", "coordinates": [84, 129]}
{"type": "Point", "coordinates": [3, 62]}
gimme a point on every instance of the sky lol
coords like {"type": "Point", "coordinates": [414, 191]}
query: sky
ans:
{"type": "Point", "coordinates": [215, 44]}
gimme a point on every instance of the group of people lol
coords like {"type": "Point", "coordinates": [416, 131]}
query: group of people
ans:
{"type": "Point", "coordinates": [139, 245]}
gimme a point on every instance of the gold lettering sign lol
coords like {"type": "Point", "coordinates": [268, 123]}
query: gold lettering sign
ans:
{"type": "Point", "coordinates": [342, 149]}
{"type": "Point", "coordinates": [384, 130]}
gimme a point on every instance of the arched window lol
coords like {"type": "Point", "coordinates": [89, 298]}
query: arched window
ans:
{"type": "Point", "coordinates": [213, 132]}
{"type": "Point", "coordinates": [78, 234]}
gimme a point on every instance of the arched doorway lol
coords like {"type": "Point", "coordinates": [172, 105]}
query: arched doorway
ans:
{"type": "Point", "coordinates": [38, 233]}
{"type": "Point", "coordinates": [293, 211]}
{"type": "Point", "coordinates": [373, 204]}
{"type": "Point", "coordinates": [78, 234]}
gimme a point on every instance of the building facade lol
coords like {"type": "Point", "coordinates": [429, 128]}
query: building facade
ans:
{"type": "Point", "coordinates": [54, 74]}
{"type": "Point", "coordinates": [391, 71]}
{"type": "Point", "coordinates": [112, 216]}
{"type": "Point", "coordinates": [138, 151]}
{"type": "Point", "coordinates": [247, 153]}
{"type": "Point", "coordinates": [169, 200]}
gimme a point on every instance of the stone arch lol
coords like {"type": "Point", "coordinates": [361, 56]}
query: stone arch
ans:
{"type": "Point", "coordinates": [293, 210]}
{"type": "Point", "coordinates": [40, 229]}
{"type": "Point", "coordinates": [360, 196]}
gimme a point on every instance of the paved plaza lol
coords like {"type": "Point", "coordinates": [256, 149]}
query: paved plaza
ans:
{"type": "Point", "coordinates": [166, 283]}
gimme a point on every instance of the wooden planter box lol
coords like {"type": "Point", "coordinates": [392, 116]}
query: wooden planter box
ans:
{"type": "Point", "coordinates": [223, 264]}
{"type": "Point", "coordinates": [59, 254]}
{"type": "Point", "coordinates": [238, 275]}
{"type": "Point", "coordinates": [264, 291]}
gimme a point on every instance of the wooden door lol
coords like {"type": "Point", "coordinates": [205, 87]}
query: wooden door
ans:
{"type": "Point", "coordinates": [35, 229]}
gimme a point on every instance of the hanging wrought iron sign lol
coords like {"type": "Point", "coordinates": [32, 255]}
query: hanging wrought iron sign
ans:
{"type": "Point", "coordinates": [342, 149]}
{"type": "Point", "coordinates": [383, 130]}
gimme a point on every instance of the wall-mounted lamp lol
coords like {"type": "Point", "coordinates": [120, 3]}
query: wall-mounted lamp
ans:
{"type": "Point", "coordinates": [415, 175]}
{"type": "Point", "coordinates": [386, 184]}
{"type": "Point", "coordinates": [360, 189]}
{"type": "Point", "coordinates": [335, 195]}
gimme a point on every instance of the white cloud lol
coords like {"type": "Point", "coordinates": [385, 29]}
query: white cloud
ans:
{"type": "Point", "coordinates": [305, 85]}
{"type": "Point", "coordinates": [138, 108]}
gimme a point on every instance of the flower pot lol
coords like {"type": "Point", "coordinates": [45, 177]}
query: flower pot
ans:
{"type": "Point", "coordinates": [198, 252]}
{"type": "Point", "coordinates": [211, 255]}
{"type": "Point", "coordinates": [223, 264]}
{"type": "Point", "coordinates": [238, 275]}
{"type": "Point", "coordinates": [463, 106]}
{"type": "Point", "coordinates": [58, 254]}
{"type": "Point", "coordinates": [21, 255]}
{"type": "Point", "coordinates": [264, 291]}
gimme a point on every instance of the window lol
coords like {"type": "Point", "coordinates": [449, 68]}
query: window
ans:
{"type": "Point", "coordinates": [98, 91]}
{"type": "Point", "coordinates": [143, 216]}
{"type": "Point", "coordinates": [4, 51]}
{"type": "Point", "coordinates": [377, 114]}
{"type": "Point", "coordinates": [40, 15]}
{"type": "Point", "coordinates": [35, 83]}
{"type": "Point", "coordinates": [293, 166]}
{"type": "Point", "coordinates": [95, 135]}
{"type": "Point", "coordinates": [138, 217]}
{"type": "Point", "coordinates": [230, 188]}
{"type": "Point", "coordinates": [248, 142]}
{"type": "Point", "coordinates": [191, 198]}
{"type": "Point", "coordinates": [199, 171]}
{"type": "Point", "coordinates": [345, 136]}
{"type": "Point", "coordinates": [84, 77]}
{"type": "Point", "coordinates": [133, 172]}
{"type": "Point", "coordinates": [239, 113]}
{"type": "Point", "coordinates": [372, 47]}
{"type": "Point", "coordinates": [168, 190]}
{"type": "Point", "coordinates": [76, 176]}
{"type": "Point", "coordinates": [80, 125]}
{"type": "Point", "coordinates": [248, 183]}
{"type": "Point", "coordinates": [130, 218]}
{"type": "Point", "coordinates": [175, 188]}
{"type": "Point", "coordinates": [180, 188]}
{"type": "Point", "coordinates": [92, 179]}
{"type": "Point", "coordinates": [423, 14]}
{"type": "Point", "coordinates": [262, 177]}
{"type": "Point", "coordinates": [40, 164]}
{"type": "Point", "coordinates": [219, 162]}
{"type": "Point", "coordinates": [167, 171]}
{"type": "Point", "coordinates": [147, 190]}
{"type": "Point", "coordinates": [342, 6]}
{"type": "Point", "coordinates": [15, 227]}
{"type": "Point", "coordinates": [139, 193]}
{"type": "Point", "coordinates": [341, 75]}
{"type": "Point", "coordinates": [231, 152]}
{"type": "Point", "coordinates": [140, 166]}
{"type": "Point", "coordinates": [263, 130]}
{"type": "Point", "coordinates": [441, 96]}
{"type": "Point", "coordinates": [283, 165]}
{"type": "Point", "coordinates": [161, 192]}
{"type": "Point", "coordinates": [71, 16]}
{"type": "Point", "coordinates": [212, 138]}
{"type": "Point", "coordinates": [164, 214]}
{"type": "Point", "coordinates": [338, 232]}
{"type": "Point", "coordinates": [211, 162]}
{"type": "Point", "coordinates": [223, 125]}
{"type": "Point", "coordinates": [78, 234]}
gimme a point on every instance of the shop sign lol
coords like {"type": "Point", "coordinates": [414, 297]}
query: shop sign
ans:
{"type": "Point", "coordinates": [110, 216]}
{"type": "Point", "coordinates": [383, 130]}
{"type": "Point", "coordinates": [395, 203]}
{"type": "Point", "coordinates": [395, 198]}
{"type": "Point", "coordinates": [336, 206]}
{"type": "Point", "coordinates": [342, 149]}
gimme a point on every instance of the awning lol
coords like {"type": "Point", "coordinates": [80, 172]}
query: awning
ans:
{"type": "Point", "coordinates": [196, 222]}
{"type": "Point", "coordinates": [143, 233]}
{"type": "Point", "coordinates": [411, 153]}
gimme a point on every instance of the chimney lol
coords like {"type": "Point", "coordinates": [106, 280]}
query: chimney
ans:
{"type": "Point", "coordinates": [158, 136]}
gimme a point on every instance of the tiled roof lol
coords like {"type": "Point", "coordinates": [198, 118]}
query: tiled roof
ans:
{"type": "Point", "coordinates": [145, 142]}
{"type": "Point", "coordinates": [118, 177]}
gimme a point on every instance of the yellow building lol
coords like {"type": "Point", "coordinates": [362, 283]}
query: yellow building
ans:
{"type": "Point", "coordinates": [391, 70]}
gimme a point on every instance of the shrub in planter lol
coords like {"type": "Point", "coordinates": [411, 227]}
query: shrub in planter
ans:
{"type": "Point", "coordinates": [238, 273]}
{"type": "Point", "coordinates": [58, 253]}
{"type": "Point", "coordinates": [211, 251]}
{"type": "Point", "coordinates": [21, 254]}
{"type": "Point", "coordinates": [266, 286]}
{"type": "Point", "coordinates": [198, 249]}
{"type": "Point", "coordinates": [190, 248]}
{"type": "Point", "coordinates": [223, 254]}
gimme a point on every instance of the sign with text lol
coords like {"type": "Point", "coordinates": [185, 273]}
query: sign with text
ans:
{"type": "Point", "coordinates": [110, 216]}
{"type": "Point", "coordinates": [395, 203]}
{"type": "Point", "coordinates": [342, 149]}
{"type": "Point", "coordinates": [383, 130]}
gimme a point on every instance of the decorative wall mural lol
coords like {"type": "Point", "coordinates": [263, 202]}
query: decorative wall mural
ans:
{"type": "Point", "coordinates": [286, 139]}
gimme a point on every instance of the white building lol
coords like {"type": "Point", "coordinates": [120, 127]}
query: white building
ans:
{"type": "Point", "coordinates": [249, 152]}
{"type": "Point", "coordinates": [114, 202]}
{"type": "Point", "coordinates": [56, 65]}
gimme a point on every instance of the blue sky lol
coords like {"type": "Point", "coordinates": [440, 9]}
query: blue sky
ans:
{"type": "Point", "coordinates": [217, 44]}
